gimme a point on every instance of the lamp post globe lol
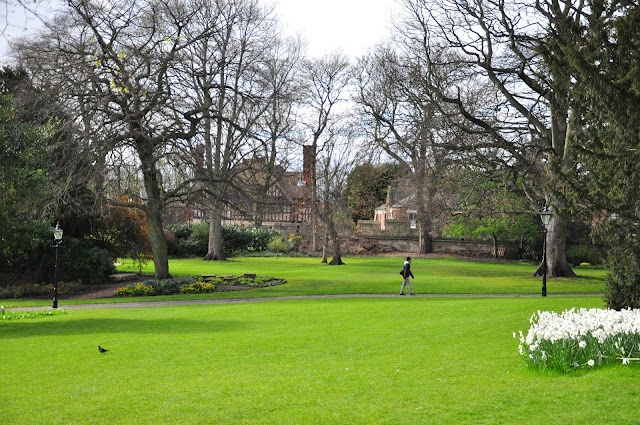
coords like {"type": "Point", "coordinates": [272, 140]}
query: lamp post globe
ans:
{"type": "Point", "coordinates": [57, 238]}
{"type": "Point", "coordinates": [545, 217]}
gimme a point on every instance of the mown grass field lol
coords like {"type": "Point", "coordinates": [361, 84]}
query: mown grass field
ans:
{"type": "Point", "coordinates": [361, 275]}
{"type": "Point", "coordinates": [391, 360]}
{"type": "Point", "coordinates": [380, 275]}
{"type": "Point", "coordinates": [320, 361]}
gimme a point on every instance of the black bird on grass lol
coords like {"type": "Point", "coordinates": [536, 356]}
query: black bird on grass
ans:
{"type": "Point", "coordinates": [102, 350]}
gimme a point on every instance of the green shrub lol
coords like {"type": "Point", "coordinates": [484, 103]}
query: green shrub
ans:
{"type": "Point", "coordinates": [295, 241]}
{"type": "Point", "coordinates": [584, 252]}
{"type": "Point", "coordinates": [164, 287]}
{"type": "Point", "coordinates": [188, 240]}
{"type": "Point", "coordinates": [274, 254]}
{"type": "Point", "coordinates": [24, 244]}
{"type": "Point", "coordinates": [192, 240]}
{"type": "Point", "coordinates": [278, 245]}
{"type": "Point", "coordinates": [623, 281]}
{"type": "Point", "coordinates": [242, 239]}
{"type": "Point", "coordinates": [190, 248]}
{"type": "Point", "coordinates": [181, 231]}
{"type": "Point", "coordinates": [27, 291]}
{"type": "Point", "coordinates": [168, 286]}
{"type": "Point", "coordinates": [80, 259]}
{"type": "Point", "coordinates": [172, 243]}
{"type": "Point", "coordinates": [260, 281]}
{"type": "Point", "coordinates": [261, 236]}
{"type": "Point", "coordinates": [236, 239]}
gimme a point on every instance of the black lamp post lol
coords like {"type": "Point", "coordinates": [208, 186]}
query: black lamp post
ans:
{"type": "Point", "coordinates": [545, 216]}
{"type": "Point", "coordinates": [57, 238]}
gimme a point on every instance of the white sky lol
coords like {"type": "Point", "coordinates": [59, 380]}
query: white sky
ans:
{"type": "Point", "coordinates": [352, 26]}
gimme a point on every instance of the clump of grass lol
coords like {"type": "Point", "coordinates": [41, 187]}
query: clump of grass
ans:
{"type": "Point", "coordinates": [7, 314]}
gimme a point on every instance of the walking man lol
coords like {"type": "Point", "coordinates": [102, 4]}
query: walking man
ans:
{"type": "Point", "coordinates": [407, 276]}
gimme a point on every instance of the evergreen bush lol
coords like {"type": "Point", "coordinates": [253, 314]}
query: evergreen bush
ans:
{"type": "Point", "coordinates": [584, 253]}
{"type": "Point", "coordinates": [192, 240]}
{"type": "Point", "coordinates": [80, 259]}
{"type": "Point", "coordinates": [623, 282]}
{"type": "Point", "coordinates": [236, 239]}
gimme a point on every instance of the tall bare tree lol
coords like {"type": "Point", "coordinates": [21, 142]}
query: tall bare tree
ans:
{"type": "Point", "coordinates": [339, 155]}
{"type": "Point", "coordinates": [402, 118]}
{"type": "Point", "coordinates": [114, 66]}
{"type": "Point", "coordinates": [21, 14]}
{"type": "Point", "coordinates": [276, 129]}
{"type": "Point", "coordinates": [325, 80]}
{"type": "Point", "coordinates": [517, 48]}
{"type": "Point", "coordinates": [229, 77]}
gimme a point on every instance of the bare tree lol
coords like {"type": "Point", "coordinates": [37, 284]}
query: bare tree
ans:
{"type": "Point", "coordinates": [115, 67]}
{"type": "Point", "coordinates": [16, 11]}
{"type": "Point", "coordinates": [517, 47]}
{"type": "Point", "coordinates": [338, 157]}
{"type": "Point", "coordinates": [325, 80]}
{"type": "Point", "coordinates": [229, 76]}
{"type": "Point", "coordinates": [403, 119]}
{"type": "Point", "coordinates": [276, 128]}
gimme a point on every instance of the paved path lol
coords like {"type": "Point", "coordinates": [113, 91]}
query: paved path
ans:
{"type": "Point", "coordinates": [62, 306]}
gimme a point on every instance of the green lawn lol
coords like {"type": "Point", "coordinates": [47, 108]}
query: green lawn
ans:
{"type": "Point", "coordinates": [393, 360]}
{"type": "Point", "coordinates": [380, 275]}
{"type": "Point", "coordinates": [362, 275]}
{"type": "Point", "coordinates": [321, 361]}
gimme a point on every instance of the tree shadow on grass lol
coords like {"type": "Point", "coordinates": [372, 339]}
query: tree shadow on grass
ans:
{"type": "Point", "coordinates": [37, 327]}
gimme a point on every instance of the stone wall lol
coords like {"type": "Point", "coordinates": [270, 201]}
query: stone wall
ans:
{"type": "Point", "coordinates": [401, 237]}
{"type": "Point", "coordinates": [394, 229]}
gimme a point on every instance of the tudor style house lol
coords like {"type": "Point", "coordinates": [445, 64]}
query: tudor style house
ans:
{"type": "Point", "coordinates": [266, 196]}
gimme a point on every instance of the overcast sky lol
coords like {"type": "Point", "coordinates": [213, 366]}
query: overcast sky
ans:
{"type": "Point", "coordinates": [352, 26]}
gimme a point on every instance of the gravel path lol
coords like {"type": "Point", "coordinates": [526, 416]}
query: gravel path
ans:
{"type": "Point", "coordinates": [62, 306]}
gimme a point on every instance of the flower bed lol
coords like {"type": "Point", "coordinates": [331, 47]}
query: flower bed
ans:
{"type": "Point", "coordinates": [201, 285]}
{"type": "Point", "coordinates": [580, 338]}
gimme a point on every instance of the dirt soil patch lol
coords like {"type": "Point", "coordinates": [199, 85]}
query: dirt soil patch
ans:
{"type": "Point", "coordinates": [101, 291]}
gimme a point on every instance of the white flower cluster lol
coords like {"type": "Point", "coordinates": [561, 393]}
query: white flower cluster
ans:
{"type": "Point", "coordinates": [581, 337]}
{"type": "Point", "coordinates": [575, 324]}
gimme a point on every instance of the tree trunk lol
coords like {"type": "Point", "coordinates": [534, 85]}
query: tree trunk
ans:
{"type": "Point", "coordinates": [215, 250]}
{"type": "Point", "coordinates": [557, 264]}
{"type": "Point", "coordinates": [336, 255]}
{"type": "Point", "coordinates": [495, 245]}
{"type": "Point", "coordinates": [325, 245]}
{"type": "Point", "coordinates": [158, 246]}
{"type": "Point", "coordinates": [153, 209]}
{"type": "Point", "coordinates": [425, 240]}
